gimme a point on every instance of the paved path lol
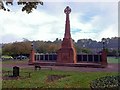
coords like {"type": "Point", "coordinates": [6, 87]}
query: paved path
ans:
{"type": "Point", "coordinates": [110, 68]}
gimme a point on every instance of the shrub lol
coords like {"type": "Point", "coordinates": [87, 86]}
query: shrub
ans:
{"type": "Point", "coordinates": [106, 83]}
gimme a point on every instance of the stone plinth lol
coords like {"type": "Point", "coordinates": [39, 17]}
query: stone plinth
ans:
{"type": "Point", "coordinates": [104, 59]}
{"type": "Point", "coordinates": [66, 55]}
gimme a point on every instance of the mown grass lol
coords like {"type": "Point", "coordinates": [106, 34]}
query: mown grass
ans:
{"type": "Point", "coordinates": [38, 78]}
{"type": "Point", "coordinates": [15, 61]}
{"type": "Point", "coordinates": [113, 59]}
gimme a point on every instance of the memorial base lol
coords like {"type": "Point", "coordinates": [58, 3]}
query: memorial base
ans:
{"type": "Point", "coordinates": [66, 55]}
{"type": "Point", "coordinates": [93, 65]}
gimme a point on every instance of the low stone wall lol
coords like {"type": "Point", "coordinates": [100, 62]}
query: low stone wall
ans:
{"type": "Point", "coordinates": [100, 59]}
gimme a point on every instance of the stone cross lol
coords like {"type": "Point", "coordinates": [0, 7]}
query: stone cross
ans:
{"type": "Point", "coordinates": [67, 10]}
{"type": "Point", "coordinates": [67, 24]}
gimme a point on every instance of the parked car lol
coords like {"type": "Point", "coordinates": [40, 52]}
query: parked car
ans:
{"type": "Point", "coordinates": [21, 57]}
{"type": "Point", "coordinates": [6, 57]}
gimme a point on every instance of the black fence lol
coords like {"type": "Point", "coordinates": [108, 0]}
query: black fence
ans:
{"type": "Point", "coordinates": [89, 58]}
{"type": "Point", "coordinates": [95, 58]}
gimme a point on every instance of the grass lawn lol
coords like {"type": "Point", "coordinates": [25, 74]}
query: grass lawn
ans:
{"type": "Point", "coordinates": [14, 61]}
{"type": "Point", "coordinates": [113, 60]}
{"type": "Point", "coordinates": [38, 79]}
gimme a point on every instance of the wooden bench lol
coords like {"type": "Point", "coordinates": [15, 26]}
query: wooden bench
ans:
{"type": "Point", "coordinates": [38, 67]}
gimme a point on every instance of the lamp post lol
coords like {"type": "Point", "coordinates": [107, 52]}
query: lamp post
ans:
{"type": "Point", "coordinates": [103, 42]}
{"type": "Point", "coordinates": [83, 45]}
{"type": "Point", "coordinates": [104, 54]}
{"type": "Point", "coordinates": [32, 45]}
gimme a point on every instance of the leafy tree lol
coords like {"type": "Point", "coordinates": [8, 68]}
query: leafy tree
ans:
{"type": "Point", "coordinates": [28, 5]}
{"type": "Point", "coordinates": [21, 48]}
{"type": "Point", "coordinates": [86, 50]}
{"type": "Point", "coordinates": [46, 47]}
{"type": "Point", "coordinates": [16, 48]}
{"type": "Point", "coordinates": [7, 49]}
{"type": "Point", "coordinates": [0, 52]}
{"type": "Point", "coordinates": [118, 51]}
{"type": "Point", "coordinates": [78, 49]}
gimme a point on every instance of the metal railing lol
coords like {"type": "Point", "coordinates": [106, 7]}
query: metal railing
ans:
{"type": "Point", "coordinates": [93, 58]}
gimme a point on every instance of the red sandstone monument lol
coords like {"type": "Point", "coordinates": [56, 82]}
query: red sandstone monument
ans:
{"type": "Point", "coordinates": [67, 53]}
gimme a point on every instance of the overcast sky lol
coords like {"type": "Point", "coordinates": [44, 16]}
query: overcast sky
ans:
{"type": "Point", "coordinates": [95, 20]}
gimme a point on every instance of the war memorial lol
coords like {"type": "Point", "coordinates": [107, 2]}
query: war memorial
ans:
{"type": "Point", "coordinates": [66, 55]}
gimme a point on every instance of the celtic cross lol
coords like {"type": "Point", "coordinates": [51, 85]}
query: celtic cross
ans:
{"type": "Point", "coordinates": [67, 10]}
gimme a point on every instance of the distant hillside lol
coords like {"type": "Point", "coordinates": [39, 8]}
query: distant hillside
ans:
{"type": "Point", "coordinates": [111, 43]}
{"type": "Point", "coordinates": [82, 46]}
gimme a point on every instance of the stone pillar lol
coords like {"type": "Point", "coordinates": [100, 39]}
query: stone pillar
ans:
{"type": "Point", "coordinates": [104, 58]}
{"type": "Point", "coordinates": [32, 57]}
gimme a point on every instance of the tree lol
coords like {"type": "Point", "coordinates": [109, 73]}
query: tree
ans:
{"type": "Point", "coordinates": [17, 48]}
{"type": "Point", "coordinates": [78, 49]}
{"type": "Point", "coordinates": [86, 50]}
{"type": "Point", "coordinates": [28, 5]}
{"type": "Point", "coordinates": [7, 49]}
{"type": "Point", "coordinates": [46, 46]}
